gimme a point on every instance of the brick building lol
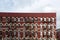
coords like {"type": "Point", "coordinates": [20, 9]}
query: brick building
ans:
{"type": "Point", "coordinates": [58, 34]}
{"type": "Point", "coordinates": [27, 26]}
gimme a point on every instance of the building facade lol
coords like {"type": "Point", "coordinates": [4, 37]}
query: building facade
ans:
{"type": "Point", "coordinates": [58, 34]}
{"type": "Point", "coordinates": [27, 26]}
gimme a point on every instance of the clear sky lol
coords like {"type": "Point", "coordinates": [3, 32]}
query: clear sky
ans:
{"type": "Point", "coordinates": [31, 6]}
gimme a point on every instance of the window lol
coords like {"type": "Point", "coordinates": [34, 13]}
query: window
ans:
{"type": "Point", "coordinates": [49, 26]}
{"type": "Point", "coordinates": [40, 38]}
{"type": "Point", "coordinates": [13, 19]}
{"type": "Point", "coordinates": [1, 24]}
{"type": "Point", "coordinates": [10, 38]}
{"type": "Point", "coordinates": [14, 25]}
{"type": "Point", "coordinates": [0, 19]}
{"type": "Point", "coordinates": [49, 33]}
{"type": "Point", "coordinates": [26, 24]}
{"type": "Point", "coordinates": [0, 32]}
{"type": "Point", "coordinates": [31, 19]}
{"type": "Point", "coordinates": [41, 19]}
{"type": "Point", "coordinates": [18, 32]}
{"type": "Point", "coordinates": [36, 19]}
{"type": "Point", "coordinates": [52, 33]}
{"type": "Point", "coordinates": [45, 32]}
{"type": "Point", "coordinates": [0, 37]}
{"type": "Point", "coordinates": [52, 19]}
{"type": "Point", "coordinates": [18, 19]}
{"type": "Point", "coordinates": [22, 24]}
{"type": "Point", "coordinates": [10, 33]}
{"type": "Point", "coordinates": [33, 34]}
{"type": "Point", "coordinates": [7, 19]}
{"type": "Point", "coordinates": [52, 26]}
{"type": "Point", "coordinates": [26, 19]}
{"type": "Point", "coordinates": [24, 39]}
{"type": "Point", "coordinates": [14, 37]}
{"type": "Point", "coordinates": [23, 19]}
{"type": "Point", "coordinates": [41, 25]}
{"type": "Point", "coordinates": [36, 24]}
{"type": "Point", "coordinates": [32, 25]}
{"type": "Point", "coordinates": [6, 38]}
{"type": "Point", "coordinates": [45, 19]}
{"type": "Point", "coordinates": [18, 24]}
{"type": "Point", "coordinates": [49, 39]}
{"type": "Point", "coordinates": [14, 32]}
{"type": "Point", "coordinates": [6, 24]}
{"type": "Point", "coordinates": [49, 19]}
{"type": "Point", "coordinates": [41, 33]}
{"type": "Point", "coordinates": [27, 34]}
{"type": "Point", "coordinates": [7, 32]}
{"type": "Point", "coordinates": [44, 38]}
{"type": "Point", "coordinates": [52, 38]}
{"type": "Point", "coordinates": [45, 25]}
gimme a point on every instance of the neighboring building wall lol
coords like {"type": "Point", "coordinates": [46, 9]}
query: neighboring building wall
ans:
{"type": "Point", "coordinates": [31, 26]}
{"type": "Point", "coordinates": [58, 34]}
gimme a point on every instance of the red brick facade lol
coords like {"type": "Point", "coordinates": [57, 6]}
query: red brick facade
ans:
{"type": "Point", "coordinates": [28, 26]}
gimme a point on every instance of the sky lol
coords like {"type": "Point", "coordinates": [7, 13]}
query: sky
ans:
{"type": "Point", "coordinates": [31, 6]}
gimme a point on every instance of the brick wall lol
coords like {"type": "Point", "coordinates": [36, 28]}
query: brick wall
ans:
{"type": "Point", "coordinates": [28, 26]}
